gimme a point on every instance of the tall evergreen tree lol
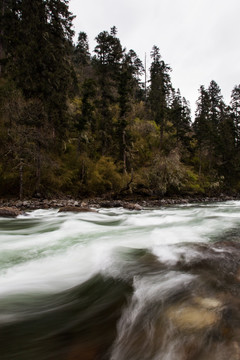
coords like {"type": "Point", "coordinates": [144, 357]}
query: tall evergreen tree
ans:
{"type": "Point", "coordinates": [81, 53]}
{"type": "Point", "coordinates": [209, 116]}
{"type": "Point", "coordinates": [107, 64]}
{"type": "Point", "coordinates": [180, 118]}
{"type": "Point", "coordinates": [160, 90]}
{"type": "Point", "coordinates": [128, 86]}
{"type": "Point", "coordinates": [226, 152]}
{"type": "Point", "coordinates": [37, 35]}
{"type": "Point", "coordinates": [201, 124]}
{"type": "Point", "coordinates": [235, 105]}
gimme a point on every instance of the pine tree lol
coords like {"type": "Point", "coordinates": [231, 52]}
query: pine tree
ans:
{"type": "Point", "coordinates": [37, 36]}
{"type": "Point", "coordinates": [235, 106]}
{"type": "Point", "coordinates": [107, 64]}
{"type": "Point", "coordinates": [228, 161]}
{"type": "Point", "coordinates": [180, 118]}
{"type": "Point", "coordinates": [160, 90]}
{"type": "Point", "coordinates": [81, 52]}
{"type": "Point", "coordinates": [128, 86]}
{"type": "Point", "coordinates": [201, 124]}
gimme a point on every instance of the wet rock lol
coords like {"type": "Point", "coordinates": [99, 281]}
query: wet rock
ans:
{"type": "Point", "coordinates": [75, 209]}
{"type": "Point", "coordinates": [191, 317]}
{"type": "Point", "coordinates": [221, 351]}
{"type": "Point", "coordinates": [131, 206]}
{"type": "Point", "coordinates": [111, 204]}
{"type": "Point", "coordinates": [84, 204]}
{"type": "Point", "coordinates": [83, 352]}
{"type": "Point", "coordinates": [208, 303]}
{"type": "Point", "coordinates": [19, 204]}
{"type": "Point", "coordinates": [238, 275]}
{"type": "Point", "coordinates": [26, 203]}
{"type": "Point", "coordinates": [10, 212]}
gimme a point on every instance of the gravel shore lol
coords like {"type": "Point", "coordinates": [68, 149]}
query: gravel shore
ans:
{"type": "Point", "coordinates": [96, 203]}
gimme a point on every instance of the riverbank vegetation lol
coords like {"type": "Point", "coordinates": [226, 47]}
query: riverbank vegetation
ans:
{"type": "Point", "coordinates": [86, 124]}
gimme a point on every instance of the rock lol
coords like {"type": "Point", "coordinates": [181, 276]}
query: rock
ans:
{"type": "Point", "coordinates": [192, 317]}
{"type": "Point", "coordinates": [75, 209]}
{"type": "Point", "coordinates": [83, 352]}
{"type": "Point", "coordinates": [19, 203]}
{"type": "Point", "coordinates": [9, 212]}
{"type": "Point", "coordinates": [208, 303]}
{"type": "Point", "coordinates": [221, 351]}
{"type": "Point", "coordinates": [111, 203]}
{"type": "Point", "coordinates": [26, 203]}
{"type": "Point", "coordinates": [131, 206]}
{"type": "Point", "coordinates": [238, 275]}
{"type": "Point", "coordinates": [84, 204]}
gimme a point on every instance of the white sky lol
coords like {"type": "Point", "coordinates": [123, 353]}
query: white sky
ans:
{"type": "Point", "coordinates": [199, 39]}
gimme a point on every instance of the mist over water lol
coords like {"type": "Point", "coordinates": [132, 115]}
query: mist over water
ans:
{"type": "Point", "coordinates": [159, 284]}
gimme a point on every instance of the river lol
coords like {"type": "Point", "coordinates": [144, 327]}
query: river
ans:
{"type": "Point", "coordinates": [157, 284]}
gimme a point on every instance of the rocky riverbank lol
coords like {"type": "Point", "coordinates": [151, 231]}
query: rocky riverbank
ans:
{"type": "Point", "coordinates": [96, 203]}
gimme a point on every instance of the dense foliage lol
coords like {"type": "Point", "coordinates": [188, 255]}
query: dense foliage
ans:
{"type": "Point", "coordinates": [83, 124]}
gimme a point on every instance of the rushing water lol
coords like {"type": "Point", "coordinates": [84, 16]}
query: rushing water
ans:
{"type": "Point", "coordinates": [159, 284]}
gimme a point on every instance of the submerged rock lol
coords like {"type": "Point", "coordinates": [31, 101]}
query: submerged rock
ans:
{"type": "Point", "coordinates": [208, 303]}
{"type": "Point", "coordinates": [75, 209]}
{"type": "Point", "coordinates": [192, 317]}
{"type": "Point", "coordinates": [10, 212]}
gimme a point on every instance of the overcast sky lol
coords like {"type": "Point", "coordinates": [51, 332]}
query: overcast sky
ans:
{"type": "Point", "coordinates": [199, 39]}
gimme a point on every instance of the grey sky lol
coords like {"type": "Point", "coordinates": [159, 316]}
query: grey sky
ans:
{"type": "Point", "coordinates": [199, 39]}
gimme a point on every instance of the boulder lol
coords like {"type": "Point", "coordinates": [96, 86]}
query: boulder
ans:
{"type": "Point", "coordinates": [192, 317]}
{"type": "Point", "coordinates": [9, 212]}
{"type": "Point", "coordinates": [75, 209]}
{"type": "Point", "coordinates": [208, 303]}
{"type": "Point", "coordinates": [131, 206]}
{"type": "Point", "coordinates": [111, 203]}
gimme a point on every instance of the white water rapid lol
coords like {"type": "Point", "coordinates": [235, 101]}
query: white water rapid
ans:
{"type": "Point", "coordinates": [157, 284]}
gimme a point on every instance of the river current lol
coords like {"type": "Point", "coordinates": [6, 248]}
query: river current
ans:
{"type": "Point", "coordinates": [157, 284]}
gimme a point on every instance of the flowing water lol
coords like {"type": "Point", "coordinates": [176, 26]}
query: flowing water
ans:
{"type": "Point", "coordinates": [159, 284]}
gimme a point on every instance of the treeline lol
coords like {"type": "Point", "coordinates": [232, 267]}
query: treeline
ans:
{"type": "Point", "coordinates": [83, 124]}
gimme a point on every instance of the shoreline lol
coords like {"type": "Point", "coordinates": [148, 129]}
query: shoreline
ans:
{"type": "Point", "coordinates": [133, 203]}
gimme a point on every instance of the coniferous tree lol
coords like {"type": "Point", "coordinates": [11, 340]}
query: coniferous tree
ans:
{"type": "Point", "coordinates": [107, 64]}
{"type": "Point", "coordinates": [128, 86]}
{"type": "Point", "coordinates": [180, 118]}
{"type": "Point", "coordinates": [37, 36]}
{"type": "Point", "coordinates": [81, 53]}
{"type": "Point", "coordinates": [160, 90]}
{"type": "Point", "coordinates": [201, 124]}
{"type": "Point", "coordinates": [216, 116]}
{"type": "Point", "coordinates": [235, 105]}
{"type": "Point", "coordinates": [227, 158]}
{"type": "Point", "coordinates": [207, 125]}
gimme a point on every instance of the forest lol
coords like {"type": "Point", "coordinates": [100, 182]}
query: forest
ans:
{"type": "Point", "coordinates": [81, 124]}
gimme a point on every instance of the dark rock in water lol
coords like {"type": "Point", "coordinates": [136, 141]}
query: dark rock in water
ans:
{"type": "Point", "coordinates": [10, 212]}
{"type": "Point", "coordinates": [83, 352]}
{"type": "Point", "coordinates": [75, 209]}
{"type": "Point", "coordinates": [111, 204]}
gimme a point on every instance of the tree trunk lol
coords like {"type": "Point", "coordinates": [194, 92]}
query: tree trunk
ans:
{"type": "Point", "coordinates": [21, 179]}
{"type": "Point", "coordinates": [161, 135]}
{"type": "Point", "coordinates": [200, 162]}
{"type": "Point", "coordinates": [38, 170]}
{"type": "Point", "coordinates": [1, 35]}
{"type": "Point", "coordinates": [124, 153]}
